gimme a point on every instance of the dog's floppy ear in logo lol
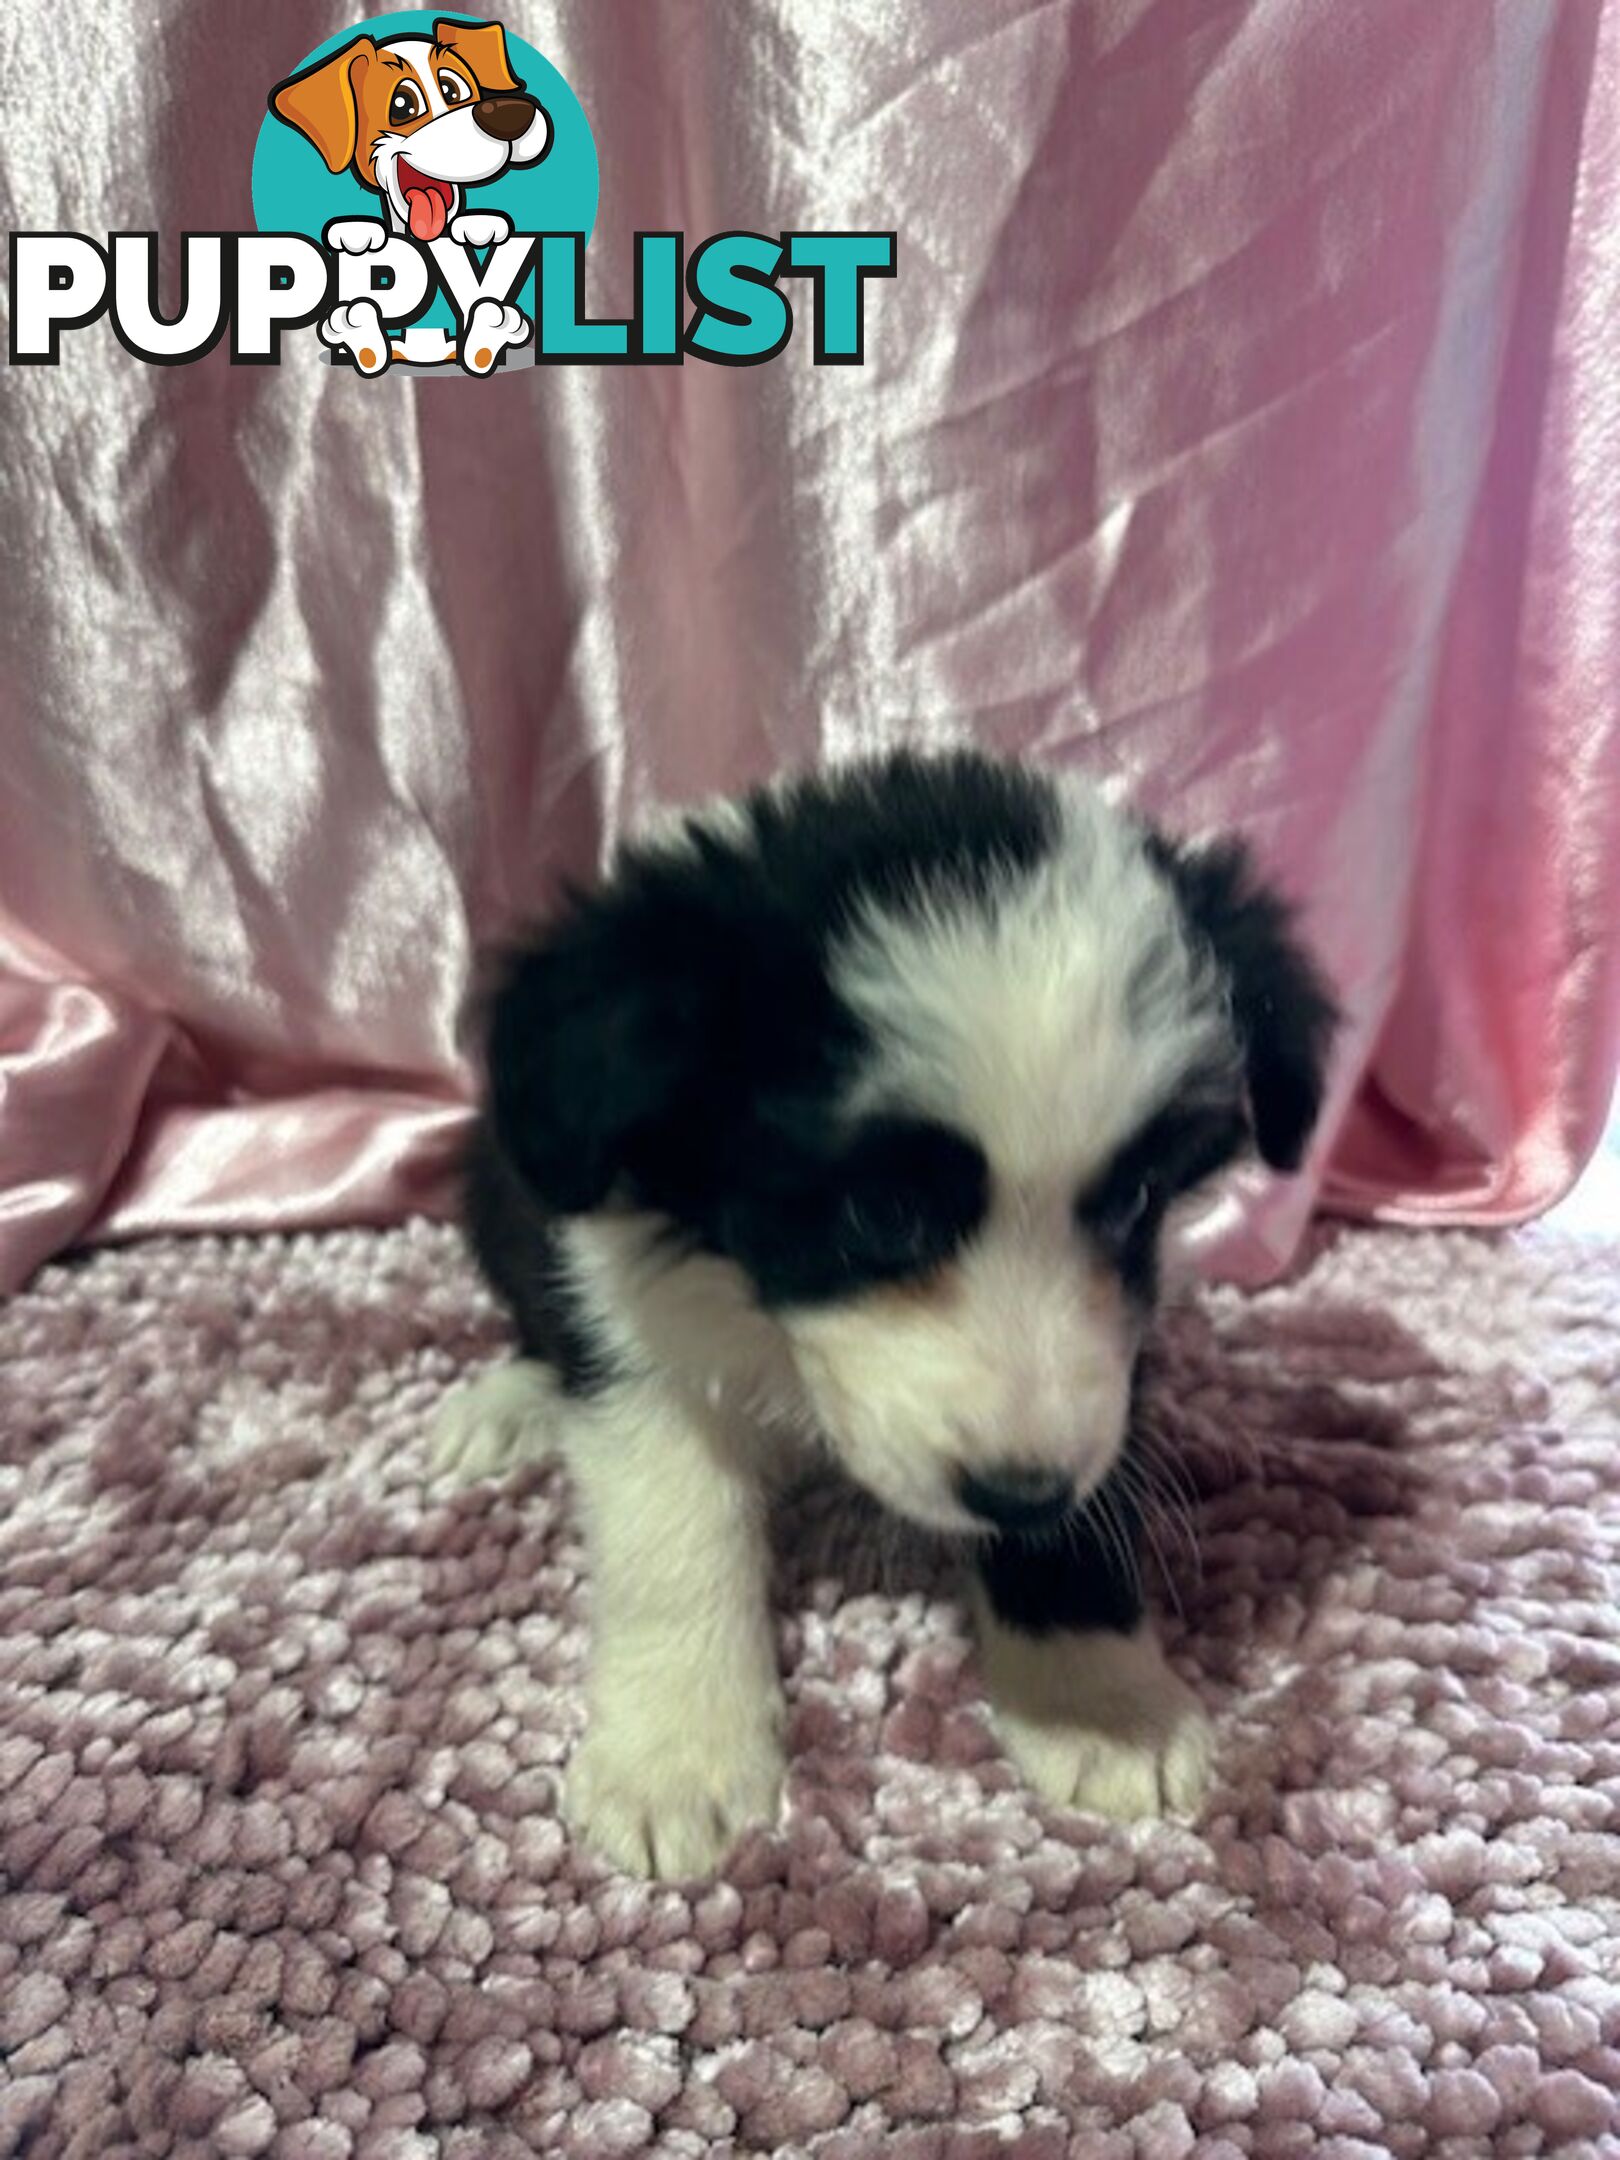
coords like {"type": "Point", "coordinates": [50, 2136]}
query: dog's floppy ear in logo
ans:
{"type": "Point", "coordinates": [324, 102]}
{"type": "Point", "coordinates": [483, 46]}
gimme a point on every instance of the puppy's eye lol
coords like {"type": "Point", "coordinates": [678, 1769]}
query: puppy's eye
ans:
{"type": "Point", "coordinates": [454, 90]}
{"type": "Point", "coordinates": [904, 1198]}
{"type": "Point", "coordinates": [887, 1234]}
{"type": "Point", "coordinates": [1117, 1214]}
{"type": "Point", "coordinates": [405, 105]}
{"type": "Point", "coordinates": [1173, 1156]}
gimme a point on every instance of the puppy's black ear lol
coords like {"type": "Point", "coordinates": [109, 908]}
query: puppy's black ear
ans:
{"type": "Point", "coordinates": [1285, 1014]}
{"type": "Point", "coordinates": [595, 1042]}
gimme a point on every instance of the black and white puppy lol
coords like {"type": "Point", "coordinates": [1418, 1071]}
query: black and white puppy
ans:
{"type": "Point", "coordinates": [850, 1114]}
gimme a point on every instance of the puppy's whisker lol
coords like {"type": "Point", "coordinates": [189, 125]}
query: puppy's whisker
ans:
{"type": "Point", "coordinates": [1099, 1511]}
{"type": "Point", "coordinates": [1147, 1509]}
{"type": "Point", "coordinates": [1158, 1460]}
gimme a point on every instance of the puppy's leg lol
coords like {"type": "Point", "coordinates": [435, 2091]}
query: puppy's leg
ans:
{"type": "Point", "coordinates": [683, 1748]}
{"type": "Point", "coordinates": [357, 329]}
{"type": "Point", "coordinates": [511, 1415]}
{"type": "Point", "coordinates": [480, 228]}
{"type": "Point", "coordinates": [1082, 1695]}
{"type": "Point", "coordinates": [492, 329]}
{"type": "Point", "coordinates": [356, 236]}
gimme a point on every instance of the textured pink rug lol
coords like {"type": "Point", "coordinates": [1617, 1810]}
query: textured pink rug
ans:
{"type": "Point", "coordinates": [280, 1871]}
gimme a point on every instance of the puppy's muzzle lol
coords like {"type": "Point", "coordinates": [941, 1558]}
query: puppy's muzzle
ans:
{"type": "Point", "coordinates": [1015, 1496]}
{"type": "Point", "coordinates": [505, 118]}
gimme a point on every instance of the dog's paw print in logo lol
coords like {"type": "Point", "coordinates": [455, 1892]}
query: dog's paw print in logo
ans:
{"type": "Point", "coordinates": [427, 133]}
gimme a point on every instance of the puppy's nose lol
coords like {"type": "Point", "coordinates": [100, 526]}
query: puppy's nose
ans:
{"type": "Point", "coordinates": [1016, 1496]}
{"type": "Point", "coordinates": [504, 117]}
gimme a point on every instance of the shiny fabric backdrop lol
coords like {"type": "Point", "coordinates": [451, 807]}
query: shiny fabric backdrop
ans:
{"type": "Point", "coordinates": [1244, 426]}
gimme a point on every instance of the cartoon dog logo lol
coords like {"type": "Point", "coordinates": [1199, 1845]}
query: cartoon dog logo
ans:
{"type": "Point", "coordinates": [419, 121]}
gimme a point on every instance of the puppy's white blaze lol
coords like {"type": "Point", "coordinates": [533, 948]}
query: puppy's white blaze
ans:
{"type": "Point", "coordinates": [417, 53]}
{"type": "Point", "coordinates": [1045, 1019]}
{"type": "Point", "coordinates": [1021, 1352]}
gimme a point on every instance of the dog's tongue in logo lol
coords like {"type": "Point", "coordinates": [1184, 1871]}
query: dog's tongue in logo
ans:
{"type": "Point", "coordinates": [427, 214]}
{"type": "Point", "coordinates": [427, 201]}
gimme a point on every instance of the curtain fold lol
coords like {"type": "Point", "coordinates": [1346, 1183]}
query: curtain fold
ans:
{"type": "Point", "coordinates": [1239, 427]}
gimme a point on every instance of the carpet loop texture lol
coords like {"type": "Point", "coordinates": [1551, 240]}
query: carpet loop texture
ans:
{"type": "Point", "coordinates": [281, 1725]}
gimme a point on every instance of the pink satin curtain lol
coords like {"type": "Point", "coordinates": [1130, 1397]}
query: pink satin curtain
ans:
{"type": "Point", "coordinates": [1242, 426]}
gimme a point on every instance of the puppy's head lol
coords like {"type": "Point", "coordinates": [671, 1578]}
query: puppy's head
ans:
{"type": "Point", "coordinates": [921, 1055]}
{"type": "Point", "coordinates": [419, 119]}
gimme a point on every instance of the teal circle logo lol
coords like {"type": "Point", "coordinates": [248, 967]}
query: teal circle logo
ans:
{"type": "Point", "coordinates": [419, 123]}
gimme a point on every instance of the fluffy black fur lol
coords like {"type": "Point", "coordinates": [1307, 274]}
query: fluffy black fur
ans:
{"type": "Point", "coordinates": [1285, 1014]}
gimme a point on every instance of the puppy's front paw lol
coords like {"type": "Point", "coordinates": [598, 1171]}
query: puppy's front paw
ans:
{"type": "Point", "coordinates": [1099, 1721]}
{"type": "Point", "coordinates": [357, 329]}
{"type": "Point", "coordinates": [357, 236]}
{"type": "Point", "coordinates": [480, 228]}
{"type": "Point", "coordinates": [492, 330]}
{"type": "Point", "coordinates": [509, 1416]}
{"type": "Point", "coordinates": [665, 1794]}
